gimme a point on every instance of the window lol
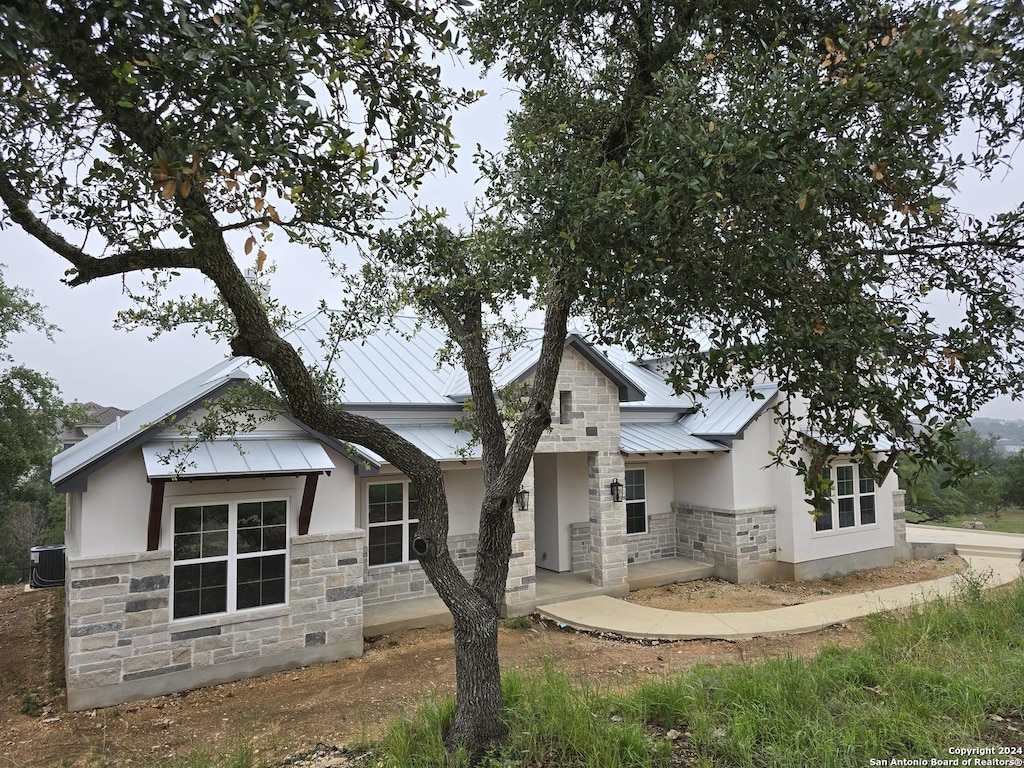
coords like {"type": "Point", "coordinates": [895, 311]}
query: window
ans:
{"type": "Point", "coordinates": [852, 502]}
{"type": "Point", "coordinates": [636, 501]}
{"type": "Point", "coordinates": [393, 510]}
{"type": "Point", "coordinates": [229, 557]}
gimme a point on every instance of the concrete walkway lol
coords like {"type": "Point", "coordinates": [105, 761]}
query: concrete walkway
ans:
{"type": "Point", "coordinates": [982, 550]}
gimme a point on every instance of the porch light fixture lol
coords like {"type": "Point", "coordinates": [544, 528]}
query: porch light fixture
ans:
{"type": "Point", "coordinates": [523, 499]}
{"type": "Point", "coordinates": [616, 489]}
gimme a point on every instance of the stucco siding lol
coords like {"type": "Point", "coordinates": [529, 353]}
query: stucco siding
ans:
{"type": "Point", "coordinates": [705, 482]}
{"type": "Point", "coordinates": [115, 509]}
{"type": "Point", "coordinates": [751, 481]}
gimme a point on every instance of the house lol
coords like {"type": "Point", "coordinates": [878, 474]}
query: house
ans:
{"type": "Point", "coordinates": [96, 417]}
{"type": "Point", "coordinates": [265, 549]}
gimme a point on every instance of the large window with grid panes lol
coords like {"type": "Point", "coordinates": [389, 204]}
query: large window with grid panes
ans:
{"type": "Point", "coordinates": [392, 515]}
{"type": "Point", "coordinates": [852, 501]}
{"type": "Point", "coordinates": [229, 556]}
{"type": "Point", "coordinates": [636, 501]}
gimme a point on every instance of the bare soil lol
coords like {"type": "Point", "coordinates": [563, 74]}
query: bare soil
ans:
{"type": "Point", "coordinates": [717, 596]}
{"type": "Point", "coordinates": [349, 702]}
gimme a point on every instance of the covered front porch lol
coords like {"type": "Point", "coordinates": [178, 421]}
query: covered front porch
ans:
{"type": "Point", "coordinates": [551, 587]}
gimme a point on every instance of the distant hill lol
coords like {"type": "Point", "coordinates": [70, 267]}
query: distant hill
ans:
{"type": "Point", "coordinates": [1009, 432]}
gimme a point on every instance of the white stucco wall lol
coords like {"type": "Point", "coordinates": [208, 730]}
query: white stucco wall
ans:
{"type": "Point", "coordinates": [334, 508]}
{"type": "Point", "coordinates": [573, 502]}
{"type": "Point", "coordinates": [115, 508]}
{"type": "Point", "coordinates": [705, 482]}
{"type": "Point", "coordinates": [545, 506]}
{"type": "Point", "coordinates": [799, 542]}
{"type": "Point", "coordinates": [751, 481]}
{"type": "Point", "coordinates": [465, 489]}
{"type": "Point", "coordinates": [114, 516]}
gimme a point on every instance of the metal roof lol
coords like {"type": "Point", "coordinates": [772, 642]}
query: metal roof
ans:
{"type": "Point", "coordinates": [524, 360]}
{"type": "Point", "coordinates": [396, 365]}
{"type": "Point", "coordinates": [440, 442]}
{"type": "Point", "coordinates": [721, 414]}
{"type": "Point", "coordinates": [144, 419]}
{"type": "Point", "coordinates": [646, 437]}
{"type": "Point", "coordinates": [245, 456]}
{"type": "Point", "coordinates": [842, 445]}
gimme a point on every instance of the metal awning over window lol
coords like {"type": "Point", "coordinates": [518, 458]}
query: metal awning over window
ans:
{"type": "Point", "coordinates": [248, 456]}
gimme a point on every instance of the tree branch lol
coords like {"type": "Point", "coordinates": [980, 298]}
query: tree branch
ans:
{"type": "Point", "coordinates": [88, 267]}
{"type": "Point", "coordinates": [22, 215]}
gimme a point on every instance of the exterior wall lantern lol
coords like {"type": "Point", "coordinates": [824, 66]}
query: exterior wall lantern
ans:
{"type": "Point", "coordinates": [616, 489]}
{"type": "Point", "coordinates": [523, 499]}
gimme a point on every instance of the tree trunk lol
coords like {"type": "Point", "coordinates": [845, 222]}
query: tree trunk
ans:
{"type": "Point", "coordinates": [477, 724]}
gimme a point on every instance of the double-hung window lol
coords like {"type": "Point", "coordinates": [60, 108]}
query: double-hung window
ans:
{"type": "Point", "coordinates": [393, 512]}
{"type": "Point", "coordinates": [229, 556]}
{"type": "Point", "coordinates": [853, 500]}
{"type": "Point", "coordinates": [636, 501]}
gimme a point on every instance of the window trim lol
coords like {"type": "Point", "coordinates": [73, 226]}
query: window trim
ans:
{"type": "Point", "coordinates": [856, 496]}
{"type": "Point", "coordinates": [232, 501]}
{"type": "Point", "coordinates": [644, 500]}
{"type": "Point", "coordinates": [406, 483]}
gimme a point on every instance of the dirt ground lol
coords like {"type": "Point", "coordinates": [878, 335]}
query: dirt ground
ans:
{"type": "Point", "coordinates": [348, 702]}
{"type": "Point", "coordinates": [717, 596]}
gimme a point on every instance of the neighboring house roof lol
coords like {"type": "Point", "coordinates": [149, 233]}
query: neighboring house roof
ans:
{"type": "Point", "coordinates": [397, 369]}
{"type": "Point", "coordinates": [96, 417]}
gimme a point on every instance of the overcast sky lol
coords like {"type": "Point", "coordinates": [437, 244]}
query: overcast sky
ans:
{"type": "Point", "coordinates": [91, 360]}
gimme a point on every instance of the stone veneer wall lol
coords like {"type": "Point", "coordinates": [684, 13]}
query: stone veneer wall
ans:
{"type": "Point", "coordinates": [659, 541]}
{"type": "Point", "coordinates": [121, 646]}
{"type": "Point", "coordinates": [903, 550]}
{"type": "Point", "coordinates": [740, 543]}
{"type": "Point", "coordinates": [388, 583]}
{"type": "Point", "coordinates": [579, 539]}
{"type": "Point", "coordinates": [521, 583]}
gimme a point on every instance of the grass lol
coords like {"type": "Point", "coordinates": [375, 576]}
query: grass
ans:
{"type": "Point", "coordinates": [922, 683]}
{"type": "Point", "coordinates": [1006, 520]}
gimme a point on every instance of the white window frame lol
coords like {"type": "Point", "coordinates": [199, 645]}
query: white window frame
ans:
{"type": "Point", "coordinates": [639, 500]}
{"type": "Point", "coordinates": [233, 556]}
{"type": "Point", "coordinates": [860, 482]}
{"type": "Point", "coordinates": [405, 522]}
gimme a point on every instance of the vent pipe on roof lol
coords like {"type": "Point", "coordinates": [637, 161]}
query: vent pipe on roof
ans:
{"type": "Point", "coordinates": [117, 423]}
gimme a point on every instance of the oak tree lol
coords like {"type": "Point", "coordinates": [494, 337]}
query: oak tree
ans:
{"type": "Point", "coordinates": [774, 178]}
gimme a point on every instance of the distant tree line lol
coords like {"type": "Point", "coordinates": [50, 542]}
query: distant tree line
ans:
{"type": "Point", "coordinates": [32, 414]}
{"type": "Point", "coordinates": [982, 480]}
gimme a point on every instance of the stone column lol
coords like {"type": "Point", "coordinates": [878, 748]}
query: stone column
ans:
{"type": "Point", "coordinates": [901, 549]}
{"type": "Point", "coordinates": [607, 521]}
{"type": "Point", "coordinates": [521, 585]}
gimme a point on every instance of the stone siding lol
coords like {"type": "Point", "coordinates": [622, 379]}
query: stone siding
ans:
{"type": "Point", "coordinates": [401, 581]}
{"type": "Point", "coordinates": [903, 550]}
{"type": "Point", "coordinates": [740, 543]}
{"type": "Point", "coordinates": [594, 419]}
{"type": "Point", "coordinates": [659, 541]}
{"type": "Point", "coordinates": [579, 538]}
{"type": "Point", "coordinates": [121, 644]}
{"type": "Point", "coordinates": [521, 583]}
